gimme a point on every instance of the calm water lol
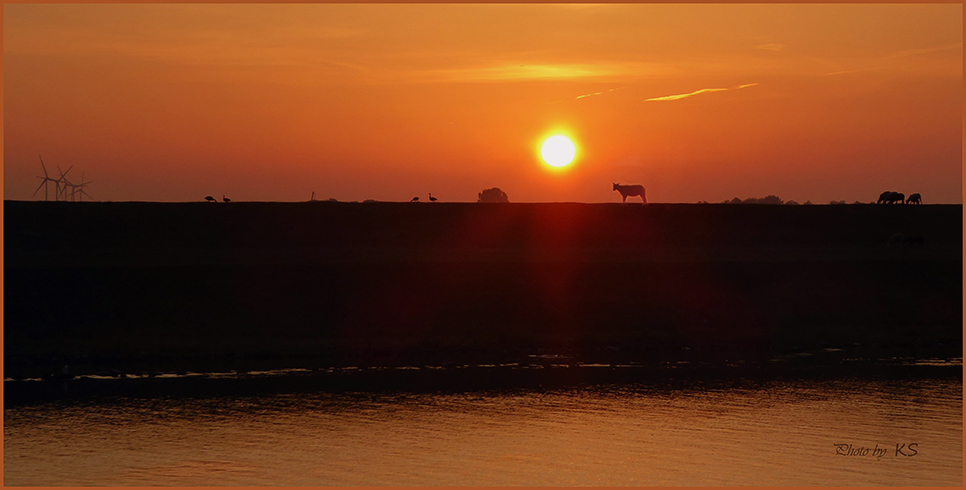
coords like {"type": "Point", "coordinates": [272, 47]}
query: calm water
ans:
{"type": "Point", "coordinates": [748, 434]}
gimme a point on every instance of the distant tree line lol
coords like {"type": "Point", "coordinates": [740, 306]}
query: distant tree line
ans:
{"type": "Point", "coordinates": [771, 199]}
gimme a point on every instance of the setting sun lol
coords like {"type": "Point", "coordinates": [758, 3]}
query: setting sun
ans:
{"type": "Point", "coordinates": [558, 151]}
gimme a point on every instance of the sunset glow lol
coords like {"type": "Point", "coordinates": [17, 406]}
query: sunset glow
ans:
{"type": "Point", "coordinates": [173, 102]}
{"type": "Point", "coordinates": [483, 244]}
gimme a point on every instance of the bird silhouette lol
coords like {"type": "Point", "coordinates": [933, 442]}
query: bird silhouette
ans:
{"type": "Point", "coordinates": [223, 198]}
{"type": "Point", "coordinates": [414, 199]}
{"type": "Point", "coordinates": [209, 199]}
{"type": "Point", "coordinates": [431, 198]}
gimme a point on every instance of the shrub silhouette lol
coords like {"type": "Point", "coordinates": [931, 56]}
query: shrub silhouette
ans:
{"type": "Point", "coordinates": [493, 195]}
{"type": "Point", "coordinates": [756, 200]}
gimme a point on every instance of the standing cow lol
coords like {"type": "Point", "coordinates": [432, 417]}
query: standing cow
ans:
{"type": "Point", "coordinates": [630, 190]}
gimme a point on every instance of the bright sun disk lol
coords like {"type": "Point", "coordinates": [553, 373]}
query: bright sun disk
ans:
{"type": "Point", "coordinates": [558, 151]}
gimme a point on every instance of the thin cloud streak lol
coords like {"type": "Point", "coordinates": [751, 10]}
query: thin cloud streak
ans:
{"type": "Point", "coordinates": [934, 49]}
{"type": "Point", "coordinates": [771, 46]}
{"type": "Point", "coordinates": [888, 61]}
{"type": "Point", "coordinates": [598, 93]}
{"type": "Point", "coordinates": [697, 92]}
{"type": "Point", "coordinates": [511, 72]}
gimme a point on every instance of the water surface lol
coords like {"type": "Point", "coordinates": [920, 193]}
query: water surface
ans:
{"type": "Point", "coordinates": [765, 433]}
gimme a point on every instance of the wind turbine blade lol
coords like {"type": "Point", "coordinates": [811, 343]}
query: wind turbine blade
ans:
{"type": "Point", "coordinates": [43, 166]}
{"type": "Point", "coordinates": [38, 189]}
{"type": "Point", "coordinates": [64, 174]}
{"type": "Point", "coordinates": [84, 193]}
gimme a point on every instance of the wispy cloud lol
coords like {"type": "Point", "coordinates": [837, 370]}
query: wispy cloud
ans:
{"type": "Point", "coordinates": [598, 93]}
{"type": "Point", "coordinates": [698, 92]}
{"type": "Point", "coordinates": [515, 73]}
{"type": "Point", "coordinates": [934, 49]}
{"type": "Point", "coordinates": [891, 60]}
{"type": "Point", "coordinates": [771, 46]}
{"type": "Point", "coordinates": [845, 72]}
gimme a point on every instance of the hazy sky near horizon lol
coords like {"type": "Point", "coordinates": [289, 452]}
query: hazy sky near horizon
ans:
{"type": "Point", "coordinates": [695, 102]}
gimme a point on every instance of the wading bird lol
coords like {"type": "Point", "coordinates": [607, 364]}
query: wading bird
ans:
{"type": "Point", "coordinates": [223, 198]}
{"type": "Point", "coordinates": [209, 199]}
{"type": "Point", "coordinates": [414, 199]}
{"type": "Point", "coordinates": [431, 198]}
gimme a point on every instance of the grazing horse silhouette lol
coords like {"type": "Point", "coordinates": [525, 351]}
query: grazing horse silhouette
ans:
{"type": "Point", "coordinates": [914, 199]}
{"type": "Point", "coordinates": [890, 197]}
{"type": "Point", "coordinates": [630, 190]}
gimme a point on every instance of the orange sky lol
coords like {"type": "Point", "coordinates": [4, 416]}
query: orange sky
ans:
{"type": "Point", "coordinates": [386, 102]}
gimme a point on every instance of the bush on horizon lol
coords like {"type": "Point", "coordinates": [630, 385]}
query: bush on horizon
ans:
{"type": "Point", "coordinates": [493, 195]}
{"type": "Point", "coordinates": [769, 199]}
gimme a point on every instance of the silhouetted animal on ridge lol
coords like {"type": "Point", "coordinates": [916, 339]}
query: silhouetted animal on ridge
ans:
{"type": "Point", "coordinates": [890, 197]}
{"type": "Point", "coordinates": [630, 190]}
{"type": "Point", "coordinates": [223, 198]}
{"type": "Point", "coordinates": [431, 198]}
{"type": "Point", "coordinates": [914, 199]}
{"type": "Point", "coordinates": [414, 199]}
{"type": "Point", "coordinates": [209, 199]}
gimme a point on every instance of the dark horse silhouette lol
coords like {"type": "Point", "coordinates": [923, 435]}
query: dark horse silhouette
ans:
{"type": "Point", "coordinates": [914, 199]}
{"type": "Point", "coordinates": [630, 190]}
{"type": "Point", "coordinates": [891, 197]}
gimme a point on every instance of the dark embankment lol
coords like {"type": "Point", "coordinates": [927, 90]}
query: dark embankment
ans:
{"type": "Point", "coordinates": [164, 287]}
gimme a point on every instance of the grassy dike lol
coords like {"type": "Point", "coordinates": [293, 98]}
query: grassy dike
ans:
{"type": "Point", "coordinates": [156, 287]}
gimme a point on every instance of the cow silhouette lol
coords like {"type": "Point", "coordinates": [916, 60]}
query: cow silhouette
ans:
{"type": "Point", "coordinates": [630, 190]}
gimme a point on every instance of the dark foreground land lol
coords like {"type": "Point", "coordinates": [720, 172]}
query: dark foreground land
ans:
{"type": "Point", "coordinates": [139, 288]}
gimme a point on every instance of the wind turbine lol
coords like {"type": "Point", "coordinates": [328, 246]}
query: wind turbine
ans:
{"type": "Point", "coordinates": [63, 180]}
{"type": "Point", "coordinates": [79, 190]}
{"type": "Point", "coordinates": [45, 181]}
